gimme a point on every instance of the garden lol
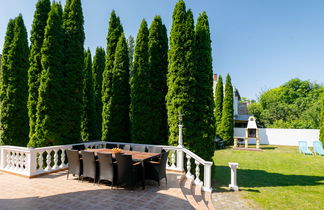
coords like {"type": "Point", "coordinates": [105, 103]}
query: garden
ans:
{"type": "Point", "coordinates": [277, 178]}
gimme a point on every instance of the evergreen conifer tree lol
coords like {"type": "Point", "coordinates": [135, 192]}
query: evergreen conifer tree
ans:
{"type": "Point", "coordinates": [219, 96]}
{"type": "Point", "coordinates": [227, 124]}
{"type": "Point", "coordinates": [205, 124]}
{"type": "Point", "coordinates": [35, 65]}
{"type": "Point", "coordinates": [73, 70]}
{"type": "Point", "coordinates": [114, 32]}
{"type": "Point", "coordinates": [322, 121]}
{"type": "Point", "coordinates": [158, 68]}
{"type": "Point", "coordinates": [88, 126]}
{"type": "Point", "coordinates": [140, 108]}
{"type": "Point", "coordinates": [98, 67]}
{"type": "Point", "coordinates": [14, 91]}
{"type": "Point", "coordinates": [50, 113]}
{"type": "Point", "coordinates": [181, 76]}
{"type": "Point", "coordinates": [118, 127]}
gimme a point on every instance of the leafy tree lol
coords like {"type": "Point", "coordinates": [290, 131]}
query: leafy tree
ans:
{"type": "Point", "coordinates": [98, 67]}
{"type": "Point", "coordinates": [140, 99]}
{"type": "Point", "coordinates": [227, 124]}
{"type": "Point", "coordinates": [14, 91]}
{"type": "Point", "coordinates": [88, 122]}
{"type": "Point", "coordinates": [114, 32]}
{"type": "Point", "coordinates": [118, 127]}
{"type": "Point", "coordinates": [35, 68]}
{"type": "Point", "coordinates": [130, 45]}
{"type": "Point", "coordinates": [322, 121]}
{"type": "Point", "coordinates": [73, 70]}
{"type": "Point", "coordinates": [205, 124]}
{"type": "Point", "coordinates": [181, 76]}
{"type": "Point", "coordinates": [158, 68]}
{"type": "Point", "coordinates": [296, 104]}
{"type": "Point", "coordinates": [219, 96]}
{"type": "Point", "coordinates": [50, 113]}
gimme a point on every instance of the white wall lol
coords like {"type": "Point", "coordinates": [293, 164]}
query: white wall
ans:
{"type": "Point", "coordinates": [276, 136]}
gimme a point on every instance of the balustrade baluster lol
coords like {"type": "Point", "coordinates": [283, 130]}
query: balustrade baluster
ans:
{"type": "Point", "coordinates": [188, 174]}
{"type": "Point", "coordinates": [173, 160]}
{"type": "Point", "coordinates": [63, 159]}
{"type": "Point", "coordinates": [197, 180]}
{"type": "Point", "coordinates": [55, 166]}
{"type": "Point", "coordinates": [48, 160]}
{"type": "Point", "coordinates": [40, 161]}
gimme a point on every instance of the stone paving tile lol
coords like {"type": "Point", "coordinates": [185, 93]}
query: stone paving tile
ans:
{"type": "Point", "coordinates": [53, 191]}
{"type": "Point", "coordinates": [231, 201]}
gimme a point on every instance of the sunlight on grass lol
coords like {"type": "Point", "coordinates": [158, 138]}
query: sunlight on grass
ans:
{"type": "Point", "coordinates": [276, 178]}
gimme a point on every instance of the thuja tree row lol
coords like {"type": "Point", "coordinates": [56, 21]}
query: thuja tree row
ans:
{"type": "Point", "coordinates": [190, 82]}
{"type": "Point", "coordinates": [322, 121]}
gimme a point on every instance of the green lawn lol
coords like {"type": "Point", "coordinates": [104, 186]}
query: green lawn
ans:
{"type": "Point", "coordinates": [276, 178]}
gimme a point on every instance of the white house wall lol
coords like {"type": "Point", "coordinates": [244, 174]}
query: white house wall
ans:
{"type": "Point", "coordinates": [275, 136]}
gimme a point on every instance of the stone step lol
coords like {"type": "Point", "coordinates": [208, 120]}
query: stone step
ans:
{"type": "Point", "coordinates": [186, 190]}
{"type": "Point", "coordinates": [197, 193]}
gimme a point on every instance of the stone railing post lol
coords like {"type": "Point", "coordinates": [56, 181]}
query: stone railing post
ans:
{"type": "Point", "coordinates": [180, 158]}
{"type": "Point", "coordinates": [207, 177]}
{"type": "Point", "coordinates": [31, 162]}
{"type": "Point", "coordinates": [233, 185]}
{"type": "Point", "coordinates": [2, 157]}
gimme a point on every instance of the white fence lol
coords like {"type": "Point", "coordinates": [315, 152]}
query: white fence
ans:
{"type": "Point", "coordinates": [276, 136]}
{"type": "Point", "coordinates": [31, 162]}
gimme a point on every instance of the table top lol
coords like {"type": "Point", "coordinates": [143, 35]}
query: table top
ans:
{"type": "Point", "coordinates": [136, 155]}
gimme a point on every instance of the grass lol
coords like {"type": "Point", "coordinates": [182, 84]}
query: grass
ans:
{"type": "Point", "coordinates": [276, 178]}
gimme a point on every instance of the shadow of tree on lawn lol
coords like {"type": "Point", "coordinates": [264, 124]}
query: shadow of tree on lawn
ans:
{"type": "Point", "coordinates": [248, 178]}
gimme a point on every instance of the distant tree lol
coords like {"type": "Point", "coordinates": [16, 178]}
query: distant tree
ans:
{"type": "Point", "coordinates": [73, 72]}
{"type": "Point", "coordinates": [158, 69]}
{"type": "Point", "coordinates": [98, 67]}
{"type": "Point", "coordinates": [322, 121]}
{"type": "Point", "coordinates": [35, 65]}
{"type": "Point", "coordinates": [50, 113]}
{"type": "Point", "coordinates": [181, 76]}
{"type": "Point", "coordinates": [205, 124]}
{"type": "Point", "coordinates": [140, 99]}
{"type": "Point", "coordinates": [227, 125]}
{"type": "Point", "coordinates": [130, 45]}
{"type": "Point", "coordinates": [114, 32]}
{"type": "Point", "coordinates": [88, 120]}
{"type": "Point", "coordinates": [295, 104]}
{"type": "Point", "coordinates": [14, 89]}
{"type": "Point", "coordinates": [219, 96]}
{"type": "Point", "coordinates": [118, 127]}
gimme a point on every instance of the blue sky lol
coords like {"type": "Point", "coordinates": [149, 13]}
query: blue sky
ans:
{"type": "Point", "coordinates": [260, 43]}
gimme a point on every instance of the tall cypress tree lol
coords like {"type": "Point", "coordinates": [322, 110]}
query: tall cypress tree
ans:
{"type": "Point", "coordinates": [158, 68]}
{"type": "Point", "coordinates": [114, 31]}
{"type": "Point", "coordinates": [50, 113]}
{"type": "Point", "coordinates": [98, 67]}
{"type": "Point", "coordinates": [227, 125]}
{"type": "Point", "coordinates": [14, 91]}
{"type": "Point", "coordinates": [219, 96]}
{"type": "Point", "coordinates": [35, 68]}
{"type": "Point", "coordinates": [4, 82]}
{"type": "Point", "coordinates": [322, 121]}
{"type": "Point", "coordinates": [204, 102]}
{"type": "Point", "coordinates": [181, 76]}
{"type": "Point", "coordinates": [118, 127]}
{"type": "Point", "coordinates": [140, 108]}
{"type": "Point", "coordinates": [73, 69]}
{"type": "Point", "coordinates": [88, 126]}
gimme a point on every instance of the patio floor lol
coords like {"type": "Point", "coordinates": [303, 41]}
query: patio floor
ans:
{"type": "Point", "coordinates": [53, 191]}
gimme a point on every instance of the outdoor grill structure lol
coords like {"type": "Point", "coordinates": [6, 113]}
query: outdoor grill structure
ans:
{"type": "Point", "coordinates": [251, 131]}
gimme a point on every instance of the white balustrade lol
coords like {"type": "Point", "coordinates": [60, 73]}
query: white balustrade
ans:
{"type": "Point", "coordinates": [33, 161]}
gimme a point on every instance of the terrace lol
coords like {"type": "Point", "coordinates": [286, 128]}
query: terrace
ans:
{"type": "Point", "coordinates": [47, 186]}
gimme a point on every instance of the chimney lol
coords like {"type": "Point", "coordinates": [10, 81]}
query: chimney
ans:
{"type": "Point", "coordinates": [215, 77]}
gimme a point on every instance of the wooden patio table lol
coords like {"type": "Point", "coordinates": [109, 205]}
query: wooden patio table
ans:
{"type": "Point", "coordinates": [136, 156]}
